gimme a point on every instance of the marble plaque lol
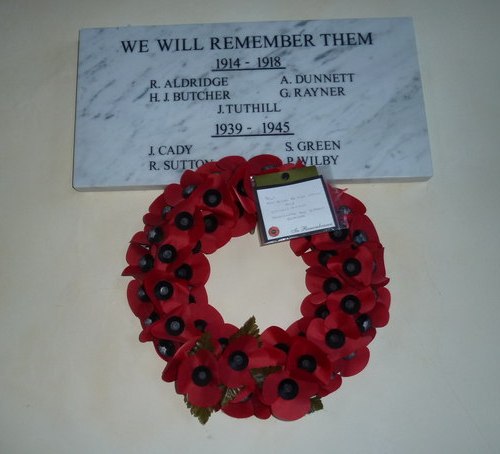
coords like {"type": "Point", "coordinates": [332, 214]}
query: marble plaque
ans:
{"type": "Point", "coordinates": [344, 95]}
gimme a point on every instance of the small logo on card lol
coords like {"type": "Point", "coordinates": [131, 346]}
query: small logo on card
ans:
{"type": "Point", "coordinates": [273, 231]}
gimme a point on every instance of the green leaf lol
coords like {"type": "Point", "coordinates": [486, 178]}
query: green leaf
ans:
{"type": "Point", "coordinates": [250, 328]}
{"type": "Point", "coordinates": [202, 413]}
{"type": "Point", "coordinates": [230, 394]}
{"type": "Point", "coordinates": [259, 374]}
{"type": "Point", "coordinates": [316, 404]}
{"type": "Point", "coordinates": [203, 343]}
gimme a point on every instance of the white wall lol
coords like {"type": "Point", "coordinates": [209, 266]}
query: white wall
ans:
{"type": "Point", "coordinates": [74, 378]}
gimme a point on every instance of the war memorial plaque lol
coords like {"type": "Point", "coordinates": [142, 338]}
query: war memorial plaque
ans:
{"type": "Point", "coordinates": [344, 95]}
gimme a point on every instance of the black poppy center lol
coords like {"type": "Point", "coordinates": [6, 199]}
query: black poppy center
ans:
{"type": "Point", "coordinates": [364, 323]}
{"type": "Point", "coordinates": [153, 317]}
{"type": "Point", "coordinates": [223, 341]}
{"type": "Point", "coordinates": [155, 235]}
{"type": "Point", "coordinates": [322, 311]}
{"type": "Point", "coordinates": [200, 324]}
{"type": "Point", "coordinates": [359, 237]}
{"type": "Point", "coordinates": [142, 295]}
{"type": "Point", "coordinates": [201, 376]}
{"type": "Point", "coordinates": [238, 360]}
{"type": "Point", "coordinates": [339, 235]}
{"type": "Point", "coordinates": [211, 223]}
{"type": "Point", "coordinates": [240, 187]}
{"type": "Point", "coordinates": [307, 362]}
{"type": "Point", "coordinates": [167, 253]}
{"type": "Point", "coordinates": [188, 190]}
{"type": "Point", "coordinates": [352, 267]}
{"type": "Point", "coordinates": [241, 210]}
{"type": "Point", "coordinates": [282, 346]}
{"type": "Point", "coordinates": [350, 304]}
{"type": "Point", "coordinates": [331, 285]}
{"type": "Point", "coordinates": [197, 248]}
{"type": "Point", "coordinates": [164, 290]}
{"type": "Point", "coordinates": [146, 262]}
{"type": "Point", "coordinates": [288, 389]}
{"type": "Point", "coordinates": [184, 272]}
{"type": "Point", "coordinates": [324, 256]}
{"type": "Point", "coordinates": [335, 338]}
{"type": "Point", "coordinates": [166, 209]}
{"type": "Point", "coordinates": [166, 347]}
{"type": "Point", "coordinates": [174, 326]}
{"type": "Point", "coordinates": [184, 220]}
{"type": "Point", "coordinates": [212, 197]}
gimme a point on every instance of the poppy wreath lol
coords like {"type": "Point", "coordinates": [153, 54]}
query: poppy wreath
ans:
{"type": "Point", "coordinates": [241, 371]}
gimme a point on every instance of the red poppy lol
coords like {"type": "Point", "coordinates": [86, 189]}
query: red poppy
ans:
{"type": "Point", "coordinates": [138, 300]}
{"type": "Point", "coordinates": [353, 363]}
{"type": "Point", "coordinates": [220, 335]}
{"type": "Point", "coordinates": [141, 238]}
{"type": "Point", "coordinates": [331, 386]}
{"type": "Point", "coordinates": [174, 194]}
{"type": "Point", "coordinates": [164, 291]}
{"type": "Point", "coordinates": [139, 259]}
{"type": "Point", "coordinates": [288, 396]}
{"type": "Point", "coordinates": [147, 323]}
{"type": "Point", "coordinates": [379, 315]}
{"type": "Point", "coordinates": [230, 164]}
{"type": "Point", "coordinates": [241, 355]}
{"type": "Point", "coordinates": [299, 327]}
{"type": "Point", "coordinates": [172, 368]}
{"type": "Point", "coordinates": [344, 203]}
{"type": "Point", "coordinates": [362, 229]}
{"type": "Point", "coordinates": [208, 168]}
{"type": "Point", "coordinates": [175, 325]}
{"type": "Point", "coordinates": [169, 252]}
{"type": "Point", "coordinates": [208, 193]}
{"type": "Point", "coordinates": [250, 406]}
{"type": "Point", "coordinates": [217, 232]}
{"type": "Point", "coordinates": [166, 348]}
{"type": "Point", "coordinates": [338, 335]}
{"type": "Point", "coordinates": [379, 275]}
{"type": "Point", "coordinates": [334, 240]}
{"type": "Point", "coordinates": [242, 191]}
{"type": "Point", "coordinates": [317, 257]}
{"type": "Point", "coordinates": [204, 318]}
{"type": "Point", "coordinates": [309, 362]}
{"type": "Point", "coordinates": [198, 379]}
{"type": "Point", "coordinates": [190, 180]}
{"type": "Point", "coordinates": [192, 270]}
{"type": "Point", "coordinates": [301, 244]}
{"type": "Point", "coordinates": [157, 211]}
{"type": "Point", "coordinates": [321, 280]}
{"type": "Point", "coordinates": [349, 300]}
{"type": "Point", "coordinates": [245, 223]}
{"type": "Point", "coordinates": [354, 265]}
{"type": "Point", "coordinates": [277, 337]}
{"type": "Point", "coordinates": [186, 224]}
{"type": "Point", "coordinates": [198, 295]}
{"type": "Point", "coordinates": [162, 206]}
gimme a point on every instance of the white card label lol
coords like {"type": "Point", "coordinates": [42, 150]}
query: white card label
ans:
{"type": "Point", "coordinates": [293, 210]}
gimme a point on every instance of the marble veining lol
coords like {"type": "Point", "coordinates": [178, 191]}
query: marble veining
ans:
{"type": "Point", "coordinates": [367, 126]}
